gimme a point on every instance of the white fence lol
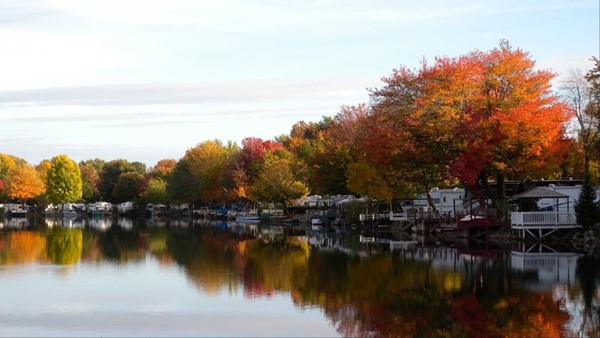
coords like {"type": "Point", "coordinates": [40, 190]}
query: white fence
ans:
{"type": "Point", "coordinates": [544, 218]}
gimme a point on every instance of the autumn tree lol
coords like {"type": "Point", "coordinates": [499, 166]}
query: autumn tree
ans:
{"type": "Point", "coordinates": [43, 169]}
{"type": "Point", "coordinates": [278, 181]}
{"type": "Point", "coordinates": [519, 120]}
{"type": "Point", "coordinates": [252, 152]}
{"type": "Point", "coordinates": [162, 169]}
{"type": "Point", "coordinates": [201, 175]}
{"type": "Point", "coordinates": [321, 148]}
{"type": "Point", "coordinates": [63, 182]}
{"type": "Point", "coordinates": [248, 163]}
{"type": "Point", "coordinates": [25, 183]}
{"type": "Point", "coordinates": [479, 116]}
{"type": "Point", "coordinates": [89, 183]}
{"type": "Point", "coordinates": [363, 179]}
{"type": "Point", "coordinates": [412, 139]}
{"type": "Point", "coordinates": [339, 144]}
{"type": "Point", "coordinates": [7, 163]}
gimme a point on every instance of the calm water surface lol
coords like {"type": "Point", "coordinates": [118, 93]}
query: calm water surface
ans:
{"type": "Point", "coordinates": [180, 278]}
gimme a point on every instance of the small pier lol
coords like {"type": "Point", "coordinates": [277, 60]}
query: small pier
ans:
{"type": "Point", "coordinates": [541, 224]}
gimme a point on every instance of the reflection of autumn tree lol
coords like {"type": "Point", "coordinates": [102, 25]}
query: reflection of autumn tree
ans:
{"type": "Point", "coordinates": [207, 256]}
{"type": "Point", "coordinates": [156, 241]}
{"type": "Point", "coordinates": [273, 267]}
{"type": "Point", "coordinates": [122, 245]}
{"type": "Point", "coordinates": [492, 306]}
{"type": "Point", "coordinates": [91, 250]}
{"type": "Point", "coordinates": [532, 315]}
{"type": "Point", "coordinates": [22, 247]}
{"type": "Point", "coordinates": [64, 246]}
{"type": "Point", "coordinates": [381, 295]}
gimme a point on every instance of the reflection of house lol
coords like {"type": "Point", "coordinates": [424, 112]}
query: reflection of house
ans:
{"type": "Point", "coordinates": [547, 268]}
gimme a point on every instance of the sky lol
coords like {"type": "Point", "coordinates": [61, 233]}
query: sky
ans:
{"type": "Point", "coordinates": [145, 80]}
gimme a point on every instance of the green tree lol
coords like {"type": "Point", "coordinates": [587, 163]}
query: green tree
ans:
{"type": "Point", "coordinates": [156, 191]}
{"type": "Point", "coordinates": [63, 182]}
{"type": "Point", "coordinates": [97, 163]}
{"type": "Point", "coordinates": [128, 187]}
{"type": "Point", "coordinates": [112, 171]}
{"type": "Point", "coordinates": [182, 183]}
{"type": "Point", "coordinates": [587, 209]}
{"type": "Point", "coordinates": [89, 183]}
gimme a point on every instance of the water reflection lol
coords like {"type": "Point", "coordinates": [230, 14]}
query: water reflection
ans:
{"type": "Point", "coordinates": [363, 289]}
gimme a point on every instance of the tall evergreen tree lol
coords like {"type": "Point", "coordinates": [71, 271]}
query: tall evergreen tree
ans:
{"type": "Point", "coordinates": [587, 209]}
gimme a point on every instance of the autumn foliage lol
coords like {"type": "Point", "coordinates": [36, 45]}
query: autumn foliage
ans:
{"type": "Point", "coordinates": [465, 120]}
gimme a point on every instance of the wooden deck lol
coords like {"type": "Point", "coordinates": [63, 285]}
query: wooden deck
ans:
{"type": "Point", "coordinates": [543, 223]}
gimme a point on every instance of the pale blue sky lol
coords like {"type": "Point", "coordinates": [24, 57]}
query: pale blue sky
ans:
{"type": "Point", "coordinates": [148, 79]}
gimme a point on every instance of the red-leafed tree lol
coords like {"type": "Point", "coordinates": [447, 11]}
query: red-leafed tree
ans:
{"type": "Point", "coordinates": [482, 115]}
{"type": "Point", "coordinates": [163, 168]}
{"type": "Point", "coordinates": [520, 123]}
{"type": "Point", "coordinates": [245, 169]}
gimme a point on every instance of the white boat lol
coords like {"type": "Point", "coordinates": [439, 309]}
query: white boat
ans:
{"type": "Point", "coordinates": [159, 210]}
{"type": "Point", "coordinates": [15, 210]}
{"type": "Point", "coordinates": [99, 208]}
{"type": "Point", "coordinates": [247, 216]}
{"type": "Point", "coordinates": [317, 224]}
{"type": "Point", "coordinates": [69, 210]}
{"type": "Point", "coordinates": [125, 208]}
{"type": "Point", "coordinates": [51, 210]}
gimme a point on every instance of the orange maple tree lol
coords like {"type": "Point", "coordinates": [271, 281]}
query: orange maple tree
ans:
{"type": "Point", "coordinates": [484, 114]}
{"type": "Point", "coordinates": [25, 183]}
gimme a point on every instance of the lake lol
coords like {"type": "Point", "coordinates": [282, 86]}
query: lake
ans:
{"type": "Point", "coordinates": [161, 277]}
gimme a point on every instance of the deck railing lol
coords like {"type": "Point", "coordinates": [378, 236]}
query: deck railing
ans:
{"type": "Point", "coordinates": [398, 216]}
{"type": "Point", "coordinates": [542, 218]}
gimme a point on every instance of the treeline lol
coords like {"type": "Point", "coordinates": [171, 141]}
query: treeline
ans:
{"type": "Point", "coordinates": [480, 117]}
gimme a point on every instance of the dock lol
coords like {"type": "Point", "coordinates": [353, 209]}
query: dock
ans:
{"type": "Point", "coordinates": [540, 224]}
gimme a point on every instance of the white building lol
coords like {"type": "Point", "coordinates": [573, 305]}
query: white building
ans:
{"type": "Point", "coordinates": [564, 204]}
{"type": "Point", "coordinates": [446, 201]}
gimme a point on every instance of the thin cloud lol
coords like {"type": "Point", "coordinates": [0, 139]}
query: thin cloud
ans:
{"type": "Point", "coordinates": [208, 92]}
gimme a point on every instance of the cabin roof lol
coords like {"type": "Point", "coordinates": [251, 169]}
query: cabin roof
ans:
{"type": "Point", "coordinates": [538, 193]}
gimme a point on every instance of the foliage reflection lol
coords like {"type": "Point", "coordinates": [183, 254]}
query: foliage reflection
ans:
{"type": "Point", "coordinates": [415, 292]}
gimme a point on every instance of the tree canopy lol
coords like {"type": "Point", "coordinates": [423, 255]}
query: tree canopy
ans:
{"type": "Point", "coordinates": [63, 180]}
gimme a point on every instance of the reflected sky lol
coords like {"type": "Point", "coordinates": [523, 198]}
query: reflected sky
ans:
{"type": "Point", "coordinates": [142, 298]}
{"type": "Point", "coordinates": [204, 280]}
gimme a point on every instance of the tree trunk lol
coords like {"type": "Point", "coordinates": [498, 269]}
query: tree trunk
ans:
{"type": "Point", "coordinates": [500, 198]}
{"type": "Point", "coordinates": [430, 202]}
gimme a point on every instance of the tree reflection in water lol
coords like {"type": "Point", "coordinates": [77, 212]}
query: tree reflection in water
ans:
{"type": "Point", "coordinates": [415, 292]}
